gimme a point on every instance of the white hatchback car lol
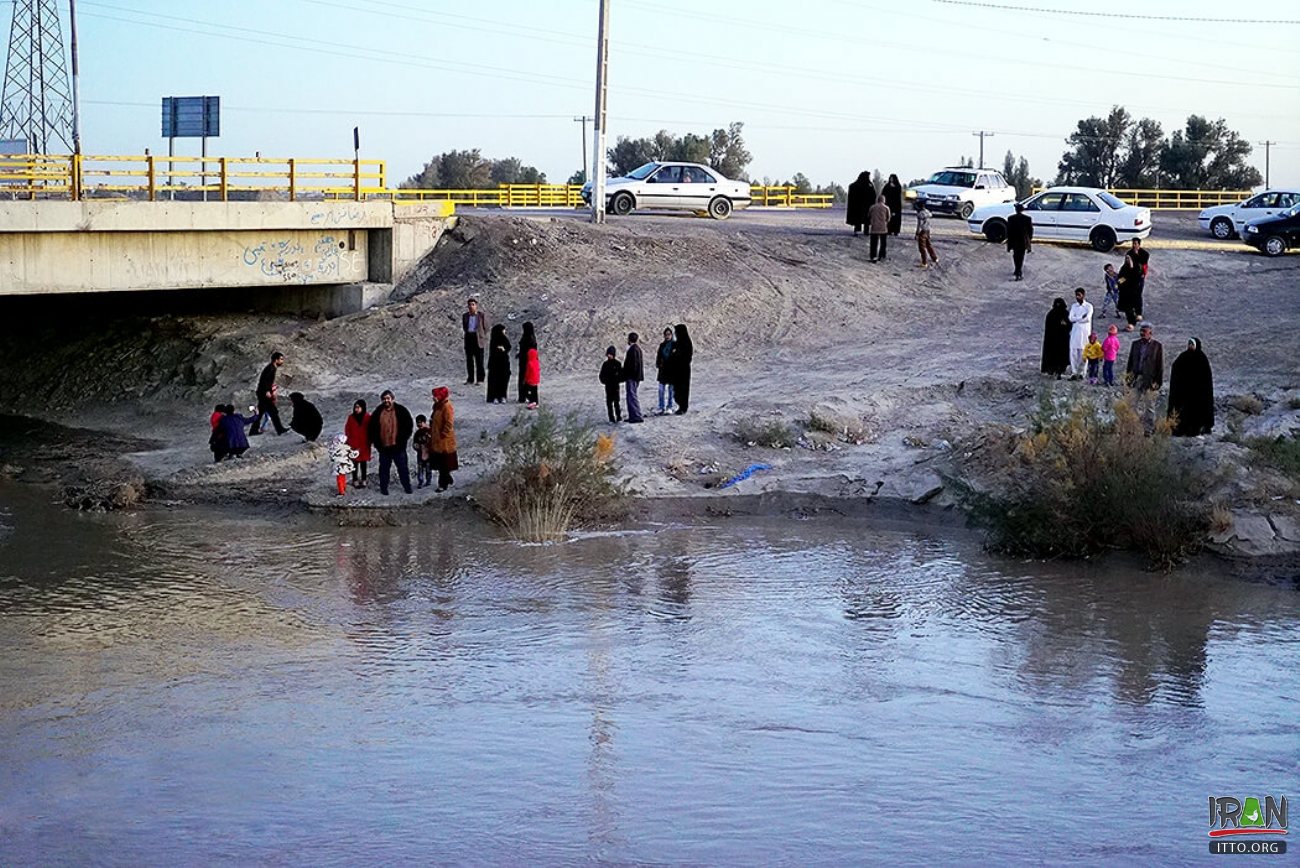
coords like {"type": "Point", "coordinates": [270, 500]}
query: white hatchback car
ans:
{"type": "Point", "coordinates": [1069, 214]}
{"type": "Point", "coordinates": [1228, 221]}
{"type": "Point", "coordinates": [961, 189]}
{"type": "Point", "coordinates": [676, 186]}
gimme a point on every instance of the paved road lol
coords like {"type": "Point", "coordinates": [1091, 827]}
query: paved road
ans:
{"type": "Point", "coordinates": [1173, 229]}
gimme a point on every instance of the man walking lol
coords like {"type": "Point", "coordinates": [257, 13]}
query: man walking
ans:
{"type": "Point", "coordinates": [266, 397]}
{"type": "Point", "coordinates": [1080, 328]}
{"type": "Point", "coordinates": [1020, 235]}
{"type": "Point", "coordinates": [475, 324]}
{"type": "Point", "coordinates": [633, 374]}
{"type": "Point", "coordinates": [390, 430]}
{"type": "Point", "coordinates": [878, 224]}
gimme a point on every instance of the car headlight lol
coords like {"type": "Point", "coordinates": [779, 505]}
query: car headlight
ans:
{"type": "Point", "coordinates": [1252, 229]}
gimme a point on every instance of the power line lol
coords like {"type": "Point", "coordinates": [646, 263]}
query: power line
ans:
{"type": "Point", "coordinates": [1128, 15]}
{"type": "Point", "coordinates": [982, 134]}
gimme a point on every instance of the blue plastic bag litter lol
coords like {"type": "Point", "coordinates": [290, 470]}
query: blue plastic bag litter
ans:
{"type": "Point", "coordinates": [745, 474]}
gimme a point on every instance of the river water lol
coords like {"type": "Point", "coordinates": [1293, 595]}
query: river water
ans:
{"type": "Point", "coordinates": [194, 687]}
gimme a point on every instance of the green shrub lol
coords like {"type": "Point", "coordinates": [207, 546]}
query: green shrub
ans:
{"type": "Point", "coordinates": [1082, 481]}
{"type": "Point", "coordinates": [1248, 404]}
{"type": "Point", "coordinates": [772, 433]}
{"type": "Point", "coordinates": [1282, 453]}
{"type": "Point", "coordinates": [555, 473]}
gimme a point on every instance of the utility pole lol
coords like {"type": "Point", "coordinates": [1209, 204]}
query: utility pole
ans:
{"type": "Point", "coordinates": [583, 120]}
{"type": "Point", "coordinates": [76, 77]}
{"type": "Point", "coordinates": [598, 122]}
{"type": "Point", "coordinates": [37, 95]}
{"type": "Point", "coordinates": [1267, 145]}
{"type": "Point", "coordinates": [983, 134]}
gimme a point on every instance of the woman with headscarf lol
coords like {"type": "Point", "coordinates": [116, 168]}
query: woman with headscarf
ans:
{"type": "Point", "coordinates": [307, 420]}
{"type": "Point", "coordinates": [679, 364]}
{"type": "Point", "coordinates": [357, 431]}
{"type": "Point", "coordinates": [1056, 340]}
{"type": "Point", "coordinates": [1130, 290]}
{"type": "Point", "coordinates": [1191, 392]}
{"type": "Point", "coordinates": [442, 442]}
{"type": "Point", "coordinates": [862, 195]}
{"type": "Point", "coordinates": [498, 365]}
{"type": "Point", "coordinates": [893, 193]}
{"type": "Point", "coordinates": [527, 341]}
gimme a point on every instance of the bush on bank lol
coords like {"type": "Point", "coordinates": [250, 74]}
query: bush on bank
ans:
{"type": "Point", "coordinates": [556, 473]}
{"type": "Point", "coordinates": [1082, 480]}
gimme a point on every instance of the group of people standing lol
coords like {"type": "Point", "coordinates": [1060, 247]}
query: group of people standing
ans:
{"type": "Point", "coordinates": [480, 338]}
{"type": "Point", "coordinates": [387, 431]}
{"type": "Point", "coordinates": [881, 215]}
{"type": "Point", "coordinates": [673, 364]}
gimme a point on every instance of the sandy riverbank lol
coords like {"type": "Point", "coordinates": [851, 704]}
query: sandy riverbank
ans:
{"type": "Point", "coordinates": [787, 321]}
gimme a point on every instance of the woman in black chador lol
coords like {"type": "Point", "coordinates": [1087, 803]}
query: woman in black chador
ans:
{"type": "Point", "coordinates": [679, 363]}
{"type": "Point", "coordinates": [893, 193]}
{"type": "Point", "coordinates": [1056, 340]}
{"type": "Point", "coordinates": [1191, 392]}
{"type": "Point", "coordinates": [862, 195]}
{"type": "Point", "coordinates": [498, 365]}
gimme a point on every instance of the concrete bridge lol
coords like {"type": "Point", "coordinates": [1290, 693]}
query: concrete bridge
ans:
{"type": "Point", "coordinates": [334, 256]}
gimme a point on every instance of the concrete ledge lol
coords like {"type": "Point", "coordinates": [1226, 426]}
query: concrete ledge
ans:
{"type": "Point", "coordinates": [131, 216]}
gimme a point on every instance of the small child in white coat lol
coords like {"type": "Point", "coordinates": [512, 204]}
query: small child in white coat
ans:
{"type": "Point", "coordinates": [341, 455]}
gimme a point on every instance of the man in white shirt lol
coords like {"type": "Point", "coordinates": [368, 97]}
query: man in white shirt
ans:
{"type": "Point", "coordinates": [1080, 328]}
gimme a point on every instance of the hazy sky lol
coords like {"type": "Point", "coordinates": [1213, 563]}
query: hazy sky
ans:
{"type": "Point", "coordinates": [826, 87]}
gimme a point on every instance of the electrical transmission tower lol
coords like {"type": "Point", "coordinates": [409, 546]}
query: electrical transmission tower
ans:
{"type": "Point", "coordinates": [37, 101]}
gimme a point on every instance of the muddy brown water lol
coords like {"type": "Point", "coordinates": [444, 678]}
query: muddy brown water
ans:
{"type": "Point", "coordinates": [197, 687]}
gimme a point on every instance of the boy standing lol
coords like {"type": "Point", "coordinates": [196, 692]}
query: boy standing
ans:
{"type": "Point", "coordinates": [878, 224]}
{"type": "Point", "coordinates": [420, 443]}
{"type": "Point", "coordinates": [923, 234]}
{"type": "Point", "coordinates": [611, 374]}
{"type": "Point", "coordinates": [633, 374]}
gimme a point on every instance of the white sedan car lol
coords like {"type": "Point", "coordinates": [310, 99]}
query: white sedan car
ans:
{"type": "Point", "coordinates": [675, 186]}
{"type": "Point", "coordinates": [1069, 214]}
{"type": "Point", "coordinates": [1228, 221]}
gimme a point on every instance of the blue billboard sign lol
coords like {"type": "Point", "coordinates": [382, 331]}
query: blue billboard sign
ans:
{"type": "Point", "coordinates": [191, 117]}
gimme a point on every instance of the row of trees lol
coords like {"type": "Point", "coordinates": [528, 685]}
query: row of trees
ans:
{"type": "Point", "coordinates": [1115, 151]}
{"type": "Point", "coordinates": [1122, 151]}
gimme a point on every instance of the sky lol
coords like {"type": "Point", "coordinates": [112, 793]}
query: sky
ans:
{"type": "Point", "coordinates": [824, 87]}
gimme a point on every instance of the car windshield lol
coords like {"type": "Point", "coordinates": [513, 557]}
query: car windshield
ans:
{"type": "Point", "coordinates": [640, 172]}
{"type": "Point", "coordinates": [950, 178]}
{"type": "Point", "coordinates": [1110, 200]}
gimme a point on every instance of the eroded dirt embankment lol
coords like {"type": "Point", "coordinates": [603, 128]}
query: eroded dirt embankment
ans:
{"type": "Point", "coordinates": [901, 368]}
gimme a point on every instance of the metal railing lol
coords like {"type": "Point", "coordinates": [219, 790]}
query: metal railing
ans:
{"type": "Point", "coordinates": [1175, 200]}
{"type": "Point", "coordinates": [150, 178]}
{"type": "Point", "coordinates": [570, 196]}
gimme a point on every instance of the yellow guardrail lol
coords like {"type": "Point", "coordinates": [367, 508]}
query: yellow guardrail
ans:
{"type": "Point", "coordinates": [1175, 200]}
{"type": "Point", "coordinates": [150, 177]}
{"type": "Point", "coordinates": [570, 196]}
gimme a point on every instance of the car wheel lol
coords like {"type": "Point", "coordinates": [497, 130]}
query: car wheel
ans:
{"type": "Point", "coordinates": [995, 231]}
{"type": "Point", "coordinates": [720, 208]}
{"type": "Point", "coordinates": [622, 204]}
{"type": "Point", "coordinates": [1221, 228]}
{"type": "Point", "coordinates": [1102, 238]}
{"type": "Point", "coordinates": [967, 209]}
{"type": "Point", "coordinates": [1274, 245]}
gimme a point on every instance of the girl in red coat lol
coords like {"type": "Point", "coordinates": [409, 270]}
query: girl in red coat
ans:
{"type": "Point", "coordinates": [532, 377]}
{"type": "Point", "coordinates": [357, 430]}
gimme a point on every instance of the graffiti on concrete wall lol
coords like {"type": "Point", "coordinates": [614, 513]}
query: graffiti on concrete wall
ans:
{"type": "Point", "coordinates": [289, 261]}
{"type": "Point", "coordinates": [343, 216]}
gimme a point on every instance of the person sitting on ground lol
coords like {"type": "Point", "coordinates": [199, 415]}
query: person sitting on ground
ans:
{"type": "Point", "coordinates": [341, 457]}
{"type": "Point", "coordinates": [229, 437]}
{"type": "Point", "coordinates": [611, 374]}
{"type": "Point", "coordinates": [217, 412]}
{"type": "Point", "coordinates": [306, 420]}
{"type": "Point", "coordinates": [1092, 354]}
{"type": "Point", "coordinates": [420, 443]}
{"type": "Point", "coordinates": [442, 446]}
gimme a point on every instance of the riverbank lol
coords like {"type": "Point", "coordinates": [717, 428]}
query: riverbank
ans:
{"type": "Point", "coordinates": [885, 377]}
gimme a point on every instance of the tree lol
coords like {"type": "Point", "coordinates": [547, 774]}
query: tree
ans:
{"type": "Point", "coordinates": [838, 192]}
{"type": "Point", "coordinates": [1094, 156]}
{"type": "Point", "coordinates": [1140, 165]}
{"type": "Point", "coordinates": [1017, 175]}
{"type": "Point", "coordinates": [468, 170]}
{"type": "Point", "coordinates": [578, 177]}
{"type": "Point", "coordinates": [1208, 155]}
{"type": "Point", "coordinates": [966, 162]}
{"type": "Point", "coordinates": [723, 150]}
{"type": "Point", "coordinates": [801, 183]}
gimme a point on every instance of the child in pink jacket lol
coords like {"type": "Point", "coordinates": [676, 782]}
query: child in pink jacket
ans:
{"type": "Point", "coordinates": [1109, 351]}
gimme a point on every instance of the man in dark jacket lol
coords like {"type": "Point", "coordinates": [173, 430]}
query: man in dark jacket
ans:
{"type": "Point", "coordinates": [1020, 235]}
{"type": "Point", "coordinates": [1146, 362]}
{"type": "Point", "coordinates": [306, 418]}
{"type": "Point", "coordinates": [390, 430]}
{"type": "Point", "coordinates": [474, 323]}
{"type": "Point", "coordinates": [266, 397]}
{"type": "Point", "coordinates": [633, 374]}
